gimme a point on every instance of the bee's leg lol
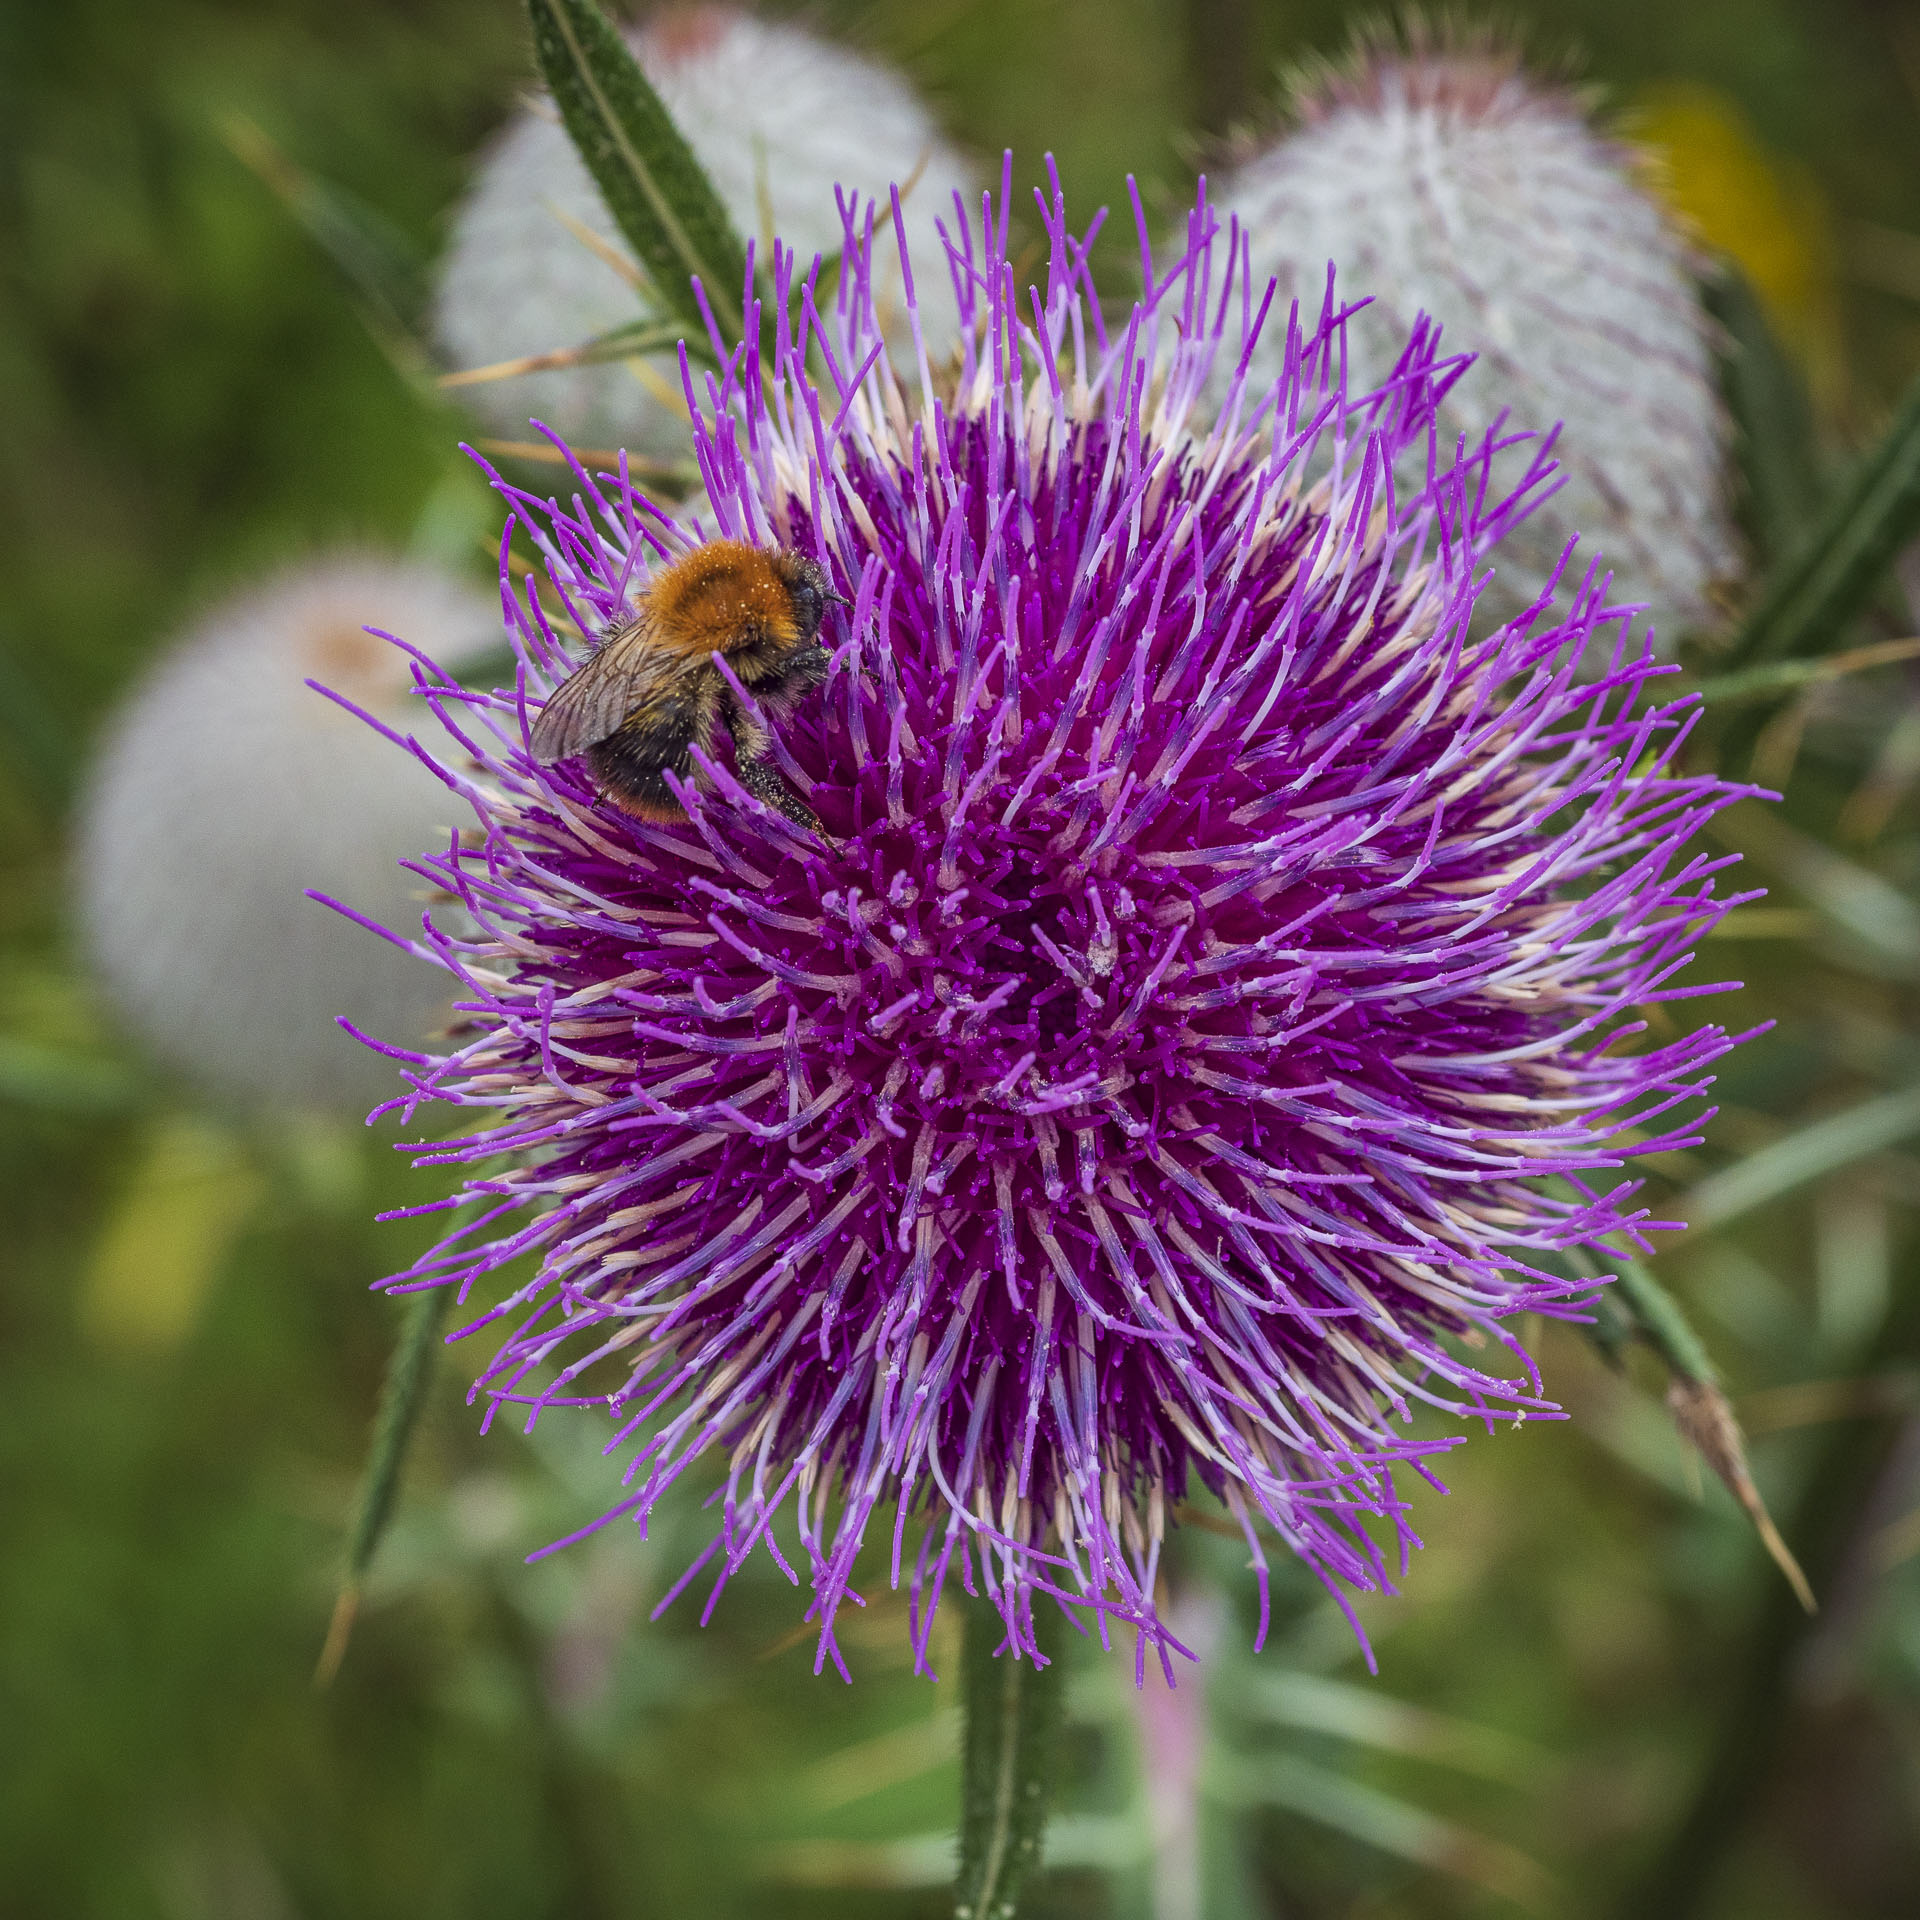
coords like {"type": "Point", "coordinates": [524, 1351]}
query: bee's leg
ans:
{"type": "Point", "coordinates": [754, 767]}
{"type": "Point", "coordinates": [761, 778]}
{"type": "Point", "coordinates": [751, 740]}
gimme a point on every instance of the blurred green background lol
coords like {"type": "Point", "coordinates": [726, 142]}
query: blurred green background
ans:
{"type": "Point", "coordinates": [1591, 1658]}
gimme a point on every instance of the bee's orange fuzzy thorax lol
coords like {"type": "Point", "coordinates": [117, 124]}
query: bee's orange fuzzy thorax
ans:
{"type": "Point", "coordinates": [721, 597]}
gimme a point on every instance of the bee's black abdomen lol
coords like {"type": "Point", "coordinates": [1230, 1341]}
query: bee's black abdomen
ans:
{"type": "Point", "coordinates": [630, 765]}
{"type": "Point", "coordinates": [633, 781]}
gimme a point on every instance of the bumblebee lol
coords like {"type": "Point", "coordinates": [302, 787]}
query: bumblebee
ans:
{"type": "Point", "coordinates": [651, 692]}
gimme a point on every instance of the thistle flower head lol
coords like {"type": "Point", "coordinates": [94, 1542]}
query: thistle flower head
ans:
{"type": "Point", "coordinates": [778, 117]}
{"type": "Point", "coordinates": [1441, 178]}
{"type": "Point", "coordinates": [226, 787]}
{"type": "Point", "coordinates": [1207, 1006]}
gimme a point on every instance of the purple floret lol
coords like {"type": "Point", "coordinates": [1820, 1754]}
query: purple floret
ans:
{"type": "Point", "coordinates": [1214, 996]}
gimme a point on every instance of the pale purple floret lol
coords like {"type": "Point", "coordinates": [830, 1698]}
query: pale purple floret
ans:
{"type": "Point", "coordinates": [1209, 1004]}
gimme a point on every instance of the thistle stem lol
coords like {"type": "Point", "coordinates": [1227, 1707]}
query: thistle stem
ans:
{"type": "Point", "coordinates": [1012, 1708]}
{"type": "Point", "coordinates": [409, 1374]}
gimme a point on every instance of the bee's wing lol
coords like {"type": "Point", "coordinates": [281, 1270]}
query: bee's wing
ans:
{"type": "Point", "coordinates": [590, 703]}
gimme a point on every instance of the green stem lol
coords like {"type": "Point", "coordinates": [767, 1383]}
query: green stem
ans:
{"type": "Point", "coordinates": [1785, 676]}
{"type": "Point", "coordinates": [1012, 1709]}
{"type": "Point", "coordinates": [1637, 1304]}
{"type": "Point", "coordinates": [409, 1374]}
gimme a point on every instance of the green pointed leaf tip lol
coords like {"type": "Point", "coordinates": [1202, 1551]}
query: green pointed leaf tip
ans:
{"type": "Point", "coordinates": [657, 192]}
{"type": "Point", "coordinates": [1013, 1715]}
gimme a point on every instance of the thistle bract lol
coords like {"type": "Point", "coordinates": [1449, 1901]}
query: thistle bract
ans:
{"type": "Point", "coordinates": [1207, 1005]}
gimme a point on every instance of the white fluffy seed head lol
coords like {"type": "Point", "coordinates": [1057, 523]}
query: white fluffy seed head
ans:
{"type": "Point", "coordinates": [225, 787]}
{"type": "Point", "coordinates": [779, 118]}
{"type": "Point", "coordinates": [1445, 180]}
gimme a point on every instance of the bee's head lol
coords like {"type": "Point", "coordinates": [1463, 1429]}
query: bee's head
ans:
{"type": "Point", "coordinates": [811, 588]}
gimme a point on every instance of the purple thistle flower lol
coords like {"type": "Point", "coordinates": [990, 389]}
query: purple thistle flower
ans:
{"type": "Point", "coordinates": [1198, 1022]}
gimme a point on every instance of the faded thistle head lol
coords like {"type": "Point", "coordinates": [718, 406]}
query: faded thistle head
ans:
{"type": "Point", "coordinates": [1441, 178]}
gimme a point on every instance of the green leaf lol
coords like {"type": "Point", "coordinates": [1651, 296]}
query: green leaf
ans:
{"type": "Point", "coordinates": [1374, 1719]}
{"type": "Point", "coordinates": [1013, 1714]}
{"type": "Point", "coordinates": [1637, 1303]}
{"type": "Point", "coordinates": [884, 1760]}
{"type": "Point", "coordinates": [657, 192]}
{"type": "Point", "coordinates": [1877, 926]}
{"type": "Point", "coordinates": [1811, 600]}
{"type": "Point", "coordinates": [1660, 1320]}
{"type": "Point", "coordinates": [1783, 676]}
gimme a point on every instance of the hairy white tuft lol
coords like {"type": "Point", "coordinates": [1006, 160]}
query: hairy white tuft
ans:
{"type": "Point", "coordinates": [1447, 181]}
{"type": "Point", "coordinates": [225, 787]}
{"type": "Point", "coordinates": [779, 118]}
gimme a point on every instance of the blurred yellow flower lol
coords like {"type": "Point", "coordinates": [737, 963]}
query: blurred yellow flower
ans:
{"type": "Point", "coordinates": [1763, 211]}
{"type": "Point", "coordinates": [161, 1248]}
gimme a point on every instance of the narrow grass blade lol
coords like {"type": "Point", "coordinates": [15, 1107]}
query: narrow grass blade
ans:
{"type": "Point", "coordinates": [1783, 676]}
{"type": "Point", "coordinates": [1391, 1824]}
{"type": "Point", "coordinates": [1813, 597]}
{"type": "Point", "coordinates": [1319, 1705]}
{"type": "Point", "coordinates": [409, 1375]}
{"type": "Point", "coordinates": [622, 343]}
{"type": "Point", "coordinates": [1773, 441]}
{"type": "Point", "coordinates": [1769, 1682]}
{"type": "Point", "coordinates": [1637, 1305]}
{"type": "Point", "coordinates": [658, 193]}
{"type": "Point", "coordinates": [904, 1753]}
{"type": "Point", "coordinates": [1012, 1712]}
{"type": "Point", "coordinates": [386, 272]}
{"type": "Point", "coordinates": [1702, 1413]}
{"type": "Point", "coordinates": [1876, 924]}
{"type": "Point", "coordinates": [1661, 1322]}
{"type": "Point", "coordinates": [1804, 1155]}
